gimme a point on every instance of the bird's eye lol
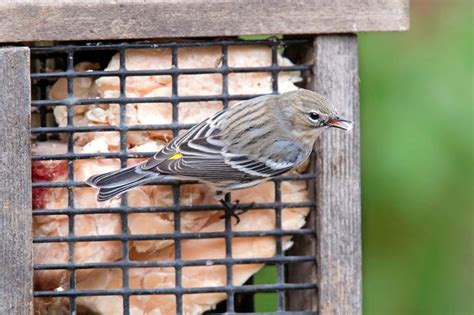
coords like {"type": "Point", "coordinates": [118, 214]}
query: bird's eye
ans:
{"type": "Point", "coordinates": [314, 116]}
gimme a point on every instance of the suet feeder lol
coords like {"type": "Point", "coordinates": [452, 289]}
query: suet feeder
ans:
{"type": "Point", "coordinates": [43, 42]}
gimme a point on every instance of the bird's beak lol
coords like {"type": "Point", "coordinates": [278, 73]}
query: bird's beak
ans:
{"type": "Point", "coordinates": [340, 123]}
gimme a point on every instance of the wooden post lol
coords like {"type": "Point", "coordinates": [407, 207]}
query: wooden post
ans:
{"type": "Point", "coordinates": [16, 246]}
{"type": "Point", "coordinates": [338, 219]}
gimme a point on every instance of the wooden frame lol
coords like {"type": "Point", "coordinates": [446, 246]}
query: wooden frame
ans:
{"type": "Point", "coordinates": [338, 188]}
{"type": "Point", "coordinates": [336, 76]}
{"type": "Point", "coordinates": [39, 20]}
{"type": "Point", "coordinates": [16, 247]}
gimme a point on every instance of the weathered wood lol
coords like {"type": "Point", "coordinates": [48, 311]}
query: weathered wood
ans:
{"type": "Point", "coordinates": [16, 246]}
{"type": "Point", "coordinates": [40, 20]}
{"type": "Point", "coordinates": [338, 180]}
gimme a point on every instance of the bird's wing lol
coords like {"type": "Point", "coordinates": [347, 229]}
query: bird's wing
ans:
{"type": "Point", "coordinates": [201, 153]}
{"type": "Point", "coordinates": [170, 152]}
{"type": "Point", "coordinates": [203, 158]}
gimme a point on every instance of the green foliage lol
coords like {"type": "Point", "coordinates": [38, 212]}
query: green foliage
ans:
{"type": "Point", "coordinates": [266, 302]}
{"type": "Point", "coordinates": [417, 166]}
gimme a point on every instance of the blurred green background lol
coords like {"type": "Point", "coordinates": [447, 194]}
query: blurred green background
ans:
{"type": "Point", "coordinates": [417, 163]}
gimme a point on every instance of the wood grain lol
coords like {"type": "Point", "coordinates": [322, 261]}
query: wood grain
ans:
{"type": "Point", "coordinates": [43, 20]}
{"type": "Point", "coordinates": [16, 246]}
{"type": "Point", "coordinates": [338, 180]}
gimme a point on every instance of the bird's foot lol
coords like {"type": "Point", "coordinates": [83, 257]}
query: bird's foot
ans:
{"type": "Point", "coordinates": [232, 211]}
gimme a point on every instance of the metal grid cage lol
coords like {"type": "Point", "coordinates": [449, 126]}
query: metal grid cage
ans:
{"type": "Point", "coordinates": [239, 298]}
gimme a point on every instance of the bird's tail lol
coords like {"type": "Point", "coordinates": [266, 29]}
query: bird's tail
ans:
{"type": "Point", "coordinates": [113, 184]}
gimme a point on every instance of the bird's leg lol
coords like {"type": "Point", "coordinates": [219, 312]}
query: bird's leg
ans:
{"type": "Point", "coordinates": [231, 208]}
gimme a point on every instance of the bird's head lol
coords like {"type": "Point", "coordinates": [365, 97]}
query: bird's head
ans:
{"type": "Point", "coordinates": [311, 113]}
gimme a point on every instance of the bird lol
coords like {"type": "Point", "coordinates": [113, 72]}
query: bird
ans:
{"type": "Point", "coordinates": [237, 147]}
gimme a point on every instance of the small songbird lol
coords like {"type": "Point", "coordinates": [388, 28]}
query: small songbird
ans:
{"type": "Point", "coordinates": [236, 148]}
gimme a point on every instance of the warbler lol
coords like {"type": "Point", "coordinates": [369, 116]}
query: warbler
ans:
{"type": "Point", "coordinates": [236, 148]}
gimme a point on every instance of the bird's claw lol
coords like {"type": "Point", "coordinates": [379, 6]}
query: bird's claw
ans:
{"type": "Point", "coordinates": [232, 211]}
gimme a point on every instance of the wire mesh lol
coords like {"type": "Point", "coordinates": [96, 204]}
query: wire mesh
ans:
{"type": "Point", "coordinates": [47, 62]}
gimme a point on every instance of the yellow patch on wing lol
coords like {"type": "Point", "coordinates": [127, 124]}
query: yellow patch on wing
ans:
{"type": "Point", "coordinates": [175, 156]}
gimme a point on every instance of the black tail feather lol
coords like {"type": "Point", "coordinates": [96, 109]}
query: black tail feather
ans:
{"type": "Point", "coordinates": [115, 183]}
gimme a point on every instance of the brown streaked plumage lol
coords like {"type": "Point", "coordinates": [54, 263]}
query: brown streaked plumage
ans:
{"type": "Point", "coordinates": [236, 148]}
